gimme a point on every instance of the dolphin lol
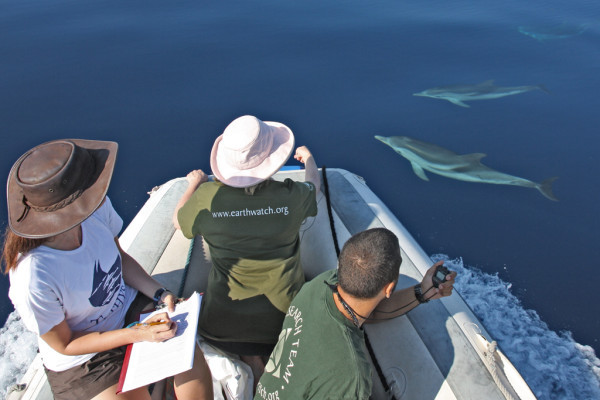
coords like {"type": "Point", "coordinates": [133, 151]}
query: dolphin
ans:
{"type": "Point", "coordinates": [458, 94]}
{"type": "Point", "coordinates": [552, 32]}
{"type": "Point", "coordinates": [468, 167]}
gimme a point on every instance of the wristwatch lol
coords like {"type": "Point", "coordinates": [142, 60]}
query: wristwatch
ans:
{"type": "Point", "coordinates": [158, 295]}
{"type": "Point", "coordinates": [419, 294]}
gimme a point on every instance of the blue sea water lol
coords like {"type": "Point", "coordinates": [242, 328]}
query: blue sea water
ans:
{"type": "Point", "coordinates": [164, 79]}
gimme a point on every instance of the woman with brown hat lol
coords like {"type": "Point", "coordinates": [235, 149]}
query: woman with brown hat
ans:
{"type": "Point", "coordinates": [71, 282]}
{"type": "Point", "coordinates": [251, 225]}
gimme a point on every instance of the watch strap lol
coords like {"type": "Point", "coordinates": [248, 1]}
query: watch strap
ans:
{"type": "Point", "coordinates": [158, 295]}
{"type": "Point", "coordinates": [419, 294]}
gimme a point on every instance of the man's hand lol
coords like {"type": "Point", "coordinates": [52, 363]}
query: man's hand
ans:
{"type": "Point", "coordinates": [445, 289]}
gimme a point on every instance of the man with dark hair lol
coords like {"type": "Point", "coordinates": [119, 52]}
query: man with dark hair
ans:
{"type": "Point", "coordinates": [370, 260]}
{"type": "Point", "coordinates": [322, 329]}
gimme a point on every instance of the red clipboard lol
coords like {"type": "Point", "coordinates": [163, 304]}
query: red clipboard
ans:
{"type": "Point", "coordinates": [124, 368]}
{"type": "Point", "coordinates": [128, 355]}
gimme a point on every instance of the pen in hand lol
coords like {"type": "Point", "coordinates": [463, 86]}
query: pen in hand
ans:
{"type": "Point", "coordinates": [152, 323]}
{"type": "Point", "coordinates": [162, 322]}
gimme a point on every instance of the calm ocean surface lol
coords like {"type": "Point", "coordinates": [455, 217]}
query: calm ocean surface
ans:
{"type": "Point", "coordinates": [164, 79]}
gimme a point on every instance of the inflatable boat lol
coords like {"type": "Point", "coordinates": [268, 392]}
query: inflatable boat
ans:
{"type": "Point", "coordinates": [439, 350]}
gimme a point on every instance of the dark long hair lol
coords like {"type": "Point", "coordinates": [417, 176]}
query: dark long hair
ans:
{"type": "Point", "coordinates": [15, 245]}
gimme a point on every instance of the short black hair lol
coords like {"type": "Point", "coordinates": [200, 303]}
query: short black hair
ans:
{"type": "Point", "coordinates": [368, 261]}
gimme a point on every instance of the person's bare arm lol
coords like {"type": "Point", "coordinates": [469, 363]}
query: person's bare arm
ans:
{"type": "Point", "coordinates": [402, 301]}
{"type": "Point", "coordinates": [195, 179]}
{"type": "Point", "coordinates": [311, 170]}
{"type": "Point", "coordinates": [135, 276]}
{"type": "Point", "coordinates": [62, 339]}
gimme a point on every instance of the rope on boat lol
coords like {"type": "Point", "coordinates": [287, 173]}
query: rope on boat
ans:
{"type": "Point", "coordinates": [384, 382]}
{"type": "Point", "coordinates": [331, 222]}
{"type": "Point", "coordinates": [490, 359]}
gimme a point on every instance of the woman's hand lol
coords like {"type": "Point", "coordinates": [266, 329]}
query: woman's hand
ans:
{"type": "Point", "coordinates": [302, 154]}
{"type": "Point", "coordinates": [169, 299]}
{"type": "Point", "coordinates": [156, 329]}
{"type": "Point", "coordinates": [196, 178]}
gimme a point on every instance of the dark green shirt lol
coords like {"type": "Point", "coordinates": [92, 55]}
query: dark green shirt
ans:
{"type": "Point", "coordinates": [320, 353]}
{"type": "Point", "coordinates": [255, 250]}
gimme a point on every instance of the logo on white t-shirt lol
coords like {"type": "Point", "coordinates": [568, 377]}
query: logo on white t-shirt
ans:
{"type": "Point", "coordinates": [106, 284]}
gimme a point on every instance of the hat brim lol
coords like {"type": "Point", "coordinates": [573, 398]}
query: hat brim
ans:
{"type": "Point", "coordinates": [39, 225]}
{"type": "Point", "coordinates": [283, 145]}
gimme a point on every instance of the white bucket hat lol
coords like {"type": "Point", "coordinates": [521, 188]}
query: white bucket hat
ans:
{"type": "Point", "coordinates": [250, 151]}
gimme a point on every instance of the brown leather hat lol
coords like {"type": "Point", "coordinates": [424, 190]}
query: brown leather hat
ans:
{"type": "Point", "coordinates": [57, 185]}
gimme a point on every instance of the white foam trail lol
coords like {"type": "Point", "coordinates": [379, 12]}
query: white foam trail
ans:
{"type": "Point", "coordinates": [553, 364]}
{"type": "Point", "coordinates": [18, 348]}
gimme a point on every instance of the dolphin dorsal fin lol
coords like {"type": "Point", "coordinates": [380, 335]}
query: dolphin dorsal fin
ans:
{"type": "Point", "coordinates": [419, 171]}
{"type": "Point", "coordinates": [489, 82]}
{"type": "Point", "coordinates": [473, 157]}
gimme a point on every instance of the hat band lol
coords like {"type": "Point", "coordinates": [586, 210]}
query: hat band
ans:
{"type": "Point", "coordinates": [61, 204]}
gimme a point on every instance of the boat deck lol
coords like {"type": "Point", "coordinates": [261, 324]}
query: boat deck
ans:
{"type": "Point", "coordinates": [430, 353]}
{"type": "Point", "coordinates": [423, 355]}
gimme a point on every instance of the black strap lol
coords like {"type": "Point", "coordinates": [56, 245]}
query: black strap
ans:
{"type": "Point", "coordinates": [331, 222]}
{"type": "Point", "coordinates": [346, 306]}
{"type": "Point", "coordinates": [386, 387]}
{"type": "Point", "coordinates": [384, 383]}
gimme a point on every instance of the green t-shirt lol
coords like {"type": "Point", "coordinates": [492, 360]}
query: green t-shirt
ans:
{"type": "Point", "coordinates": [254, 245]}
{"type": "Point", "coordinates": [320, 353]}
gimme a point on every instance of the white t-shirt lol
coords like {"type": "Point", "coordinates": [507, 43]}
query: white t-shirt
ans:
{"type": "Point", "coordinates": [84, 286]}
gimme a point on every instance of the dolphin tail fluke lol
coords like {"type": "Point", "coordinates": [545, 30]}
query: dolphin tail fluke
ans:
{"type": "Point", "coordinates": [545, 188]}
{"type": "Point", "coordinates": [543, 88]}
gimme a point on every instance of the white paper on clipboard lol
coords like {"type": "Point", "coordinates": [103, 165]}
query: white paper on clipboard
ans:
{"type": "Point", "coordinates": [149, 362]}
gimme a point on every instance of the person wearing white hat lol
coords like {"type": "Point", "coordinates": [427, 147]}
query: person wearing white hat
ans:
{"type": "Point", "coordinates": [251, 224]}
{"type": "Point", "coordinates": [71, 282]}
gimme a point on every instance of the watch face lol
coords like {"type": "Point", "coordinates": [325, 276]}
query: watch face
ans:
{"type": "Point", "coordinates": [440, 275]}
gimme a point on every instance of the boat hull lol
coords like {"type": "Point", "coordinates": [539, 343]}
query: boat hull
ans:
{"type": "Point", "coordinates": [436, 351]}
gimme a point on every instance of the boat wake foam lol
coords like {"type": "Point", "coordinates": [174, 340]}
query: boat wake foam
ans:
{"type": "Point", "coordinates": [553, 364]}
{"type": "Point", "coordinates": [18, 348]}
